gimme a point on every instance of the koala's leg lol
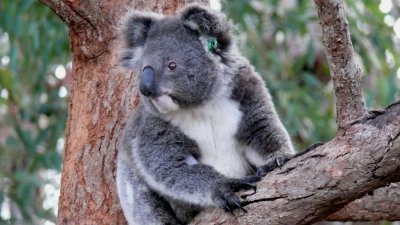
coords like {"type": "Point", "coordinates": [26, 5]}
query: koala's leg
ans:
{"type": "Point", "coordinates": [260, 128]}
{"type": "Point", "coordinates": [141, 205]}
{"type": "Point", "coordinates": [280, 160]}
{"type": "Point", "coordinates": [271, 165]}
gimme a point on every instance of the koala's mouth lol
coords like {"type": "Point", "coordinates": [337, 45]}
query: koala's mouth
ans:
{"type": "Point", "coordinates": [164, 103]}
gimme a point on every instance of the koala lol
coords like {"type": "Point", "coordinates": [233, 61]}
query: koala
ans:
{"type": "Point", "coordinates": [205, 127]}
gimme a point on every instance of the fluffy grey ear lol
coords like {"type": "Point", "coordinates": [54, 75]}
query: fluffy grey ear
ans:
{"type": "Point", "coordinates": [210, 24]}
{"type": "Point", "coordinates": [134, 33]}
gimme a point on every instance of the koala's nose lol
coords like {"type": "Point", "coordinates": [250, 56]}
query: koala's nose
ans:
{"type": "Point", "coordinates": [147, 85]}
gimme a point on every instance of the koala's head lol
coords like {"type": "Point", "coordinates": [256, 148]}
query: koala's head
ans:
{"type": "Point", "coordinates": [178, 58]}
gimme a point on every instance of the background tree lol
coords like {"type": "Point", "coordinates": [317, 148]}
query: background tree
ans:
{"type": "Point", "coordinates": [293, 64]}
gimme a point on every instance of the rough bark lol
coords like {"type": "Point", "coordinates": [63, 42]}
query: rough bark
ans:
{"type": "Point", "coordinates": [309, 188]}
{"type": "Point", "coordinates": [363, 157]}
{"type": "Point", "coordinates": [345, 72]}
{"type": "Point", "coordinates": [381, 204]}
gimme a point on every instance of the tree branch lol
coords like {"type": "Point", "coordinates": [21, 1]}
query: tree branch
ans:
{"type": "Point", "coordinates": [383, 204]}
{"type": "Point", "coordinates": [342, 63]}
{"type": "Point", "coordinates": [87, 23]}
{"type": "Point", "coordinates": [97, 21]}
{"type": "Point", "coordinates": [320, 182]}
{"type": "Point", "coordinates": [69, 12]}
{"type": "Point", "coordinates": [363, 157]}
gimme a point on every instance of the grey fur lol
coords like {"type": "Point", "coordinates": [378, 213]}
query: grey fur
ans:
{"type": "Point", "coordinates": [162, 175]}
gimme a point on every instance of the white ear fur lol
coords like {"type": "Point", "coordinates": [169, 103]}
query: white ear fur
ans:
{"type": "Point", "coordinates": [131, 53]}
{"type": "Point", "coordinates": [131, 57]}
{"type": "Point", "coordinates": [192, 25]}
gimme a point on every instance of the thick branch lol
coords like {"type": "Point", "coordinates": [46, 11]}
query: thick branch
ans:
{"type": "Point", "coordinates": [59, 8]}
{"type": "Point", "coordinates": [71, 12]}
{"type": "Point", "coordinates": [383, 204]}
{"type": "Point", "coordinates": [320, 182]}
{"type": "Point", "coordinates": [87, 23]}
{"type": "Point", "coordinates": [342, 62]}
{"type": "Point", "coordinates": [93, 24]}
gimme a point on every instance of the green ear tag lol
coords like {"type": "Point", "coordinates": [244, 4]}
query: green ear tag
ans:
{"type": "Point", "coordinates": [212, 44]}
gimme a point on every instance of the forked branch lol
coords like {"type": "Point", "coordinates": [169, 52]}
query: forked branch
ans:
{"type": "Point", "coordinates": [363, 157]}
{"type": "Point", "coordinates": [345, 71]}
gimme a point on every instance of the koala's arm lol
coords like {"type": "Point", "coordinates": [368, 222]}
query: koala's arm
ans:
{"type": "Point", "coordinates": [260, 126]}
{"type": "Point", "coordinates": [166, 159]}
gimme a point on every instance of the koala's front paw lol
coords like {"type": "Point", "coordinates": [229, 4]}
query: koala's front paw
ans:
{"type": "Point", "coordinates": [224, 196]}
{"type": "Point", "coordinates": [278, 162]}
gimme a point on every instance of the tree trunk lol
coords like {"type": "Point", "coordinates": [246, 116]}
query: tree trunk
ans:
{"type": "Point", "coordinates": [364, 156]}
{"type": "Point", "coordinates": [101, 97]}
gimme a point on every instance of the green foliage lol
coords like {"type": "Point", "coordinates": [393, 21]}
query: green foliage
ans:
{"type": "Point", "coordinates": [32, 114]}
{"type": "Point", "coordinates": [283, 41]}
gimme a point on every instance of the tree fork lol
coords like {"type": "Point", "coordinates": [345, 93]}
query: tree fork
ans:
{"type": "Point", "coordinates": [345, 71]}
{"type": "Point", "coordinates": [311, 187]}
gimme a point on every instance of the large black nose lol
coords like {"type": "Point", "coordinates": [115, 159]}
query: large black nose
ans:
{"type": "Point", "coordinates": [147, 85]}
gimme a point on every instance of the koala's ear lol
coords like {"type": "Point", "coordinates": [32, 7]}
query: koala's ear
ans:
{"type": "Point", "coordinates": [210, 24]}
{"type": "Point", "coordinates": [134, 32]}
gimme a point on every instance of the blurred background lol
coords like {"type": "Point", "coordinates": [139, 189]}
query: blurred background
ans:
{"type": "Point", "coordinates": [281, 38]}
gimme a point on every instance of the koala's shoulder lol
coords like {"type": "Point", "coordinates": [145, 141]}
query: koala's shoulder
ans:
{"type": "Point", "coordinates": [246, 82]}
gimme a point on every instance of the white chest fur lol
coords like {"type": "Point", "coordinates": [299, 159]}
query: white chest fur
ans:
{"type": "Point", "coordinates": [213, 127]}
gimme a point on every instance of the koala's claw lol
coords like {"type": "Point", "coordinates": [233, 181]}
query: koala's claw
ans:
{"type": "Point", "coordinates": [231, 202]}
{"type": "Point", "coordinates": [239, 206]}
{"type": "Point", "coordinates": [278, 162]}
{"type": "Point", "coordinates": [227, 208]}
{"type": "Point", "coordinates": [247, 183]}
{"type": "Point", "coordinates": [251, 179]}
{"type": "Point", "coordinates": [226, 198]}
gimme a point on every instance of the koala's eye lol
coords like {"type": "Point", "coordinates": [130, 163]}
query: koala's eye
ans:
{"type": "Point", "coordinates": [172, 65]}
